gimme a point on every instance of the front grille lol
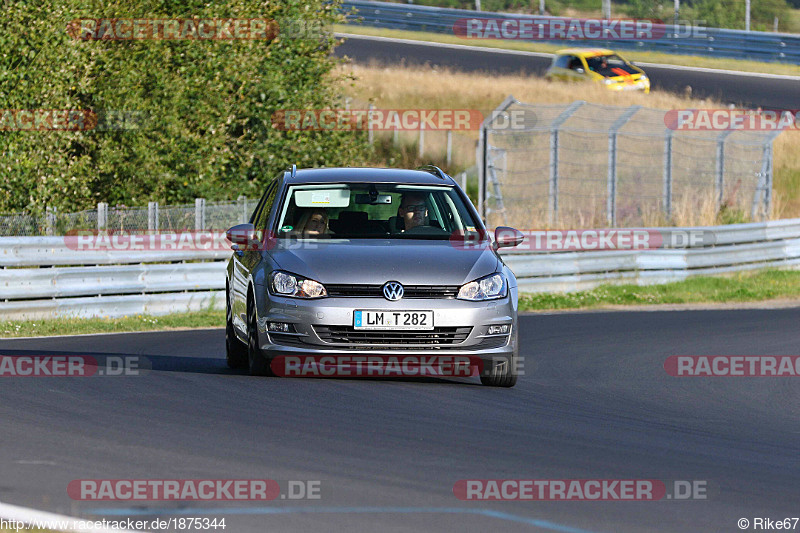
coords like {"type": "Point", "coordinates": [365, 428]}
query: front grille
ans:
{"type": "Point", "coordinates": [435, 337]}
{"type": "Point", "coordinates": [409, 291]}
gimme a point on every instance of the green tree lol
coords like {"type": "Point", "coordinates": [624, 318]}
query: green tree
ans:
{"type": "Point", "coordinates": [202, 108]}
{"type": "Point", "coordinates": [731, 13]}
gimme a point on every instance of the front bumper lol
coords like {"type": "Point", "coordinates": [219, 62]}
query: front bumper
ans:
{"type": "Point", "coordinates": [638, 85]}
{"type": "Point", "coordinates": [312, 319]}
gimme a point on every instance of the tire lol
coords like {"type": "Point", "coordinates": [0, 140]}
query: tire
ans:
{"type": "Point", "coordinates": [235, 350]}
{"type": "Point", "coordinates": [503, 374]}
{"type": "Point", "coordinates": [257, 363]}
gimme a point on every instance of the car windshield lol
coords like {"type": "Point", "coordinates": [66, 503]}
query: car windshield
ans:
{"type": "Point", "coordinates": [610, 65]}
{"type": "Point", "coordinates": [364, 211]}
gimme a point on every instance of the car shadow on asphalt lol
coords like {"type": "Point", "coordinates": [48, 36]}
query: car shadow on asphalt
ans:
{"type": "Point", "coordinates": [129, 365]}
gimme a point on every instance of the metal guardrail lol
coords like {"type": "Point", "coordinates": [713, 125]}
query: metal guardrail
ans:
{"type": "Point", "coordinates": [114, 283]}
{"type": "Point", "coordinates": [713, 42]}
{"type": "Point", "coordinates": [737, 247]}
{"type": "Point", "coordinates": [120, 283]}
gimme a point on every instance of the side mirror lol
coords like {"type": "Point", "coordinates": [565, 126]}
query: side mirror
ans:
{"type": "Point", "coordinates": [242, 235]}
{"type": "Point", "coordinates": [579, 70]}
{"type": "Point", "coordinates": [505, 237]}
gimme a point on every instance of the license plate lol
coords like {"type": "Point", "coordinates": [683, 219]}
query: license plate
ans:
{"type": "Point", "coordinates": [418, 320]}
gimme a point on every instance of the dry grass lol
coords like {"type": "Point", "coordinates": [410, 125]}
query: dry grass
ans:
{"type": "Point", "coordinates": [786, 171]}
{"type": "Point", "coordinates": [432, 88]}
{"type": "Point", "coordinates": [435, 88]}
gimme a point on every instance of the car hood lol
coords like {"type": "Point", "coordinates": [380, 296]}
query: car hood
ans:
{"type": "Point", "coordinates": [370, 262]}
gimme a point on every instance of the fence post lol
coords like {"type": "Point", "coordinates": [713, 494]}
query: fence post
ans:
{"type": "Point", "coordinates": [768, 191]}
{"type": "Point", "coordinates": [481, 162]}
{"type": "Point", "coordinates": [102, 216]}
{"type": "Point", "coordinates": [552, 205]}
{"type": "Point", "coordinates": [482, 159]}
{"type": "Point", "coordinates": [370, 133]}
{"type": "Point", "coordinates": [241, 201]}
{"type": "Point", "coordinates": [50, 221]}
{"type": "Point", "coordinates": [449, 147]}
{"type": "Point", "coordinates": [152, 216]}
{"type": "Point", "coordinates": [668, 174]}
{"type": "Point", "coordinates": [719, 167]}
{"type": "Point", "coordinates": [611, 203]}
{"type": "Point", "coordinates": [199, 213]}
{"type": "Point", "coordinates": [764, 186]}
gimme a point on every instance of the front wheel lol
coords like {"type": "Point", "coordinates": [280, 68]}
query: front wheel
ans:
{"type": "Point", "coordinates": [235, 350]}
{"type": "Point", "coordinates": [258, 364]}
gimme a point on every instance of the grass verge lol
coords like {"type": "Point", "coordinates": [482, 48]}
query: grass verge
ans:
{"type": "Point", "coordinates": [643, 57]}
{"type": "Point", "coordinates": [76, 326]}
{"type": "Point", "coordinates": [740, 287]}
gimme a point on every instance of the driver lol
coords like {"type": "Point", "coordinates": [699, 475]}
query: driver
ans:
{"type": "Point", "coordinates": [313, 223]}
{"type": "Point", "coordinates": [413, 211]}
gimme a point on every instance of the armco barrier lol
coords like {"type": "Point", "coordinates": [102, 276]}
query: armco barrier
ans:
{"type": "Point", "coordinates": [713, 42]}
{"type": "Point", "coordinates": [43, 278]}
{"type": "Point", "coordinates": [85, 283]}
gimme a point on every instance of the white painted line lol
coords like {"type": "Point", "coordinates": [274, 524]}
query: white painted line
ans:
{"type": "Point", "coordinates": [57, 522]}
{"type": "Point", "coordinates": [543, 54]}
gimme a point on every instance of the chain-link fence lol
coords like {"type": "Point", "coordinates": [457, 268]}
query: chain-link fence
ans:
{"type": "Point", "coordinates": [592, 165]}
{"type": "Point", "coordinates": [200, 215]}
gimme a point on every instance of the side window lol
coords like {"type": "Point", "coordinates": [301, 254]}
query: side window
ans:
{"type": "Point", "coordinates": [561, 61]}
{"type": "Point", "coordinates": [257, 210]}
{"type": "Point", "coordinates": [575, 63]}
{"type": "Point", "coordinates": [266, 206]}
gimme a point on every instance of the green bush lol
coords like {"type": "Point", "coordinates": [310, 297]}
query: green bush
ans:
{"type": "Point", "coordinates": [731, 13]}
{"type": "Point", "coordinates": [204, 107]}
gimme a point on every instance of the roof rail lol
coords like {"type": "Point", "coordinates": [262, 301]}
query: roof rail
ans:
{"type": "Point", "coordinates": [436, 171]}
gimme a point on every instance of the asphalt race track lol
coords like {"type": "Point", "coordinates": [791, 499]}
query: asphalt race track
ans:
{"type": "Point", "coordinates": [750, 90]}
{"type": "Point", "coordinates": [595, 403]}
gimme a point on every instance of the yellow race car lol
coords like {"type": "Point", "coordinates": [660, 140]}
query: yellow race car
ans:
{"type": "Point", "coordinates": [599, 65]}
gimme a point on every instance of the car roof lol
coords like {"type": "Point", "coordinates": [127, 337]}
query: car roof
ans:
{"type": "Point", "coordinates": [585, 52]}
{"type": "Point", "coordinates": [367, 175]}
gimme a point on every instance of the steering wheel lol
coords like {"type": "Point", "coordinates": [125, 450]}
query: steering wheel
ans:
{"type": "Point", "coordinates": [425, 230]}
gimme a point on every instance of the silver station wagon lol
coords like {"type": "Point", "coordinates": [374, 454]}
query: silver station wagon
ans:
{"type": "Point", "coordinates": [342, 262]}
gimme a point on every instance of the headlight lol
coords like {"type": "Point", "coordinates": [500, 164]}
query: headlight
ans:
{"type": "Point", "coordinates": [643, 77]}
{"type": "Point", "coordinates": [286, 284]}
{"type": "Point", "coordinates": [488, 288]}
